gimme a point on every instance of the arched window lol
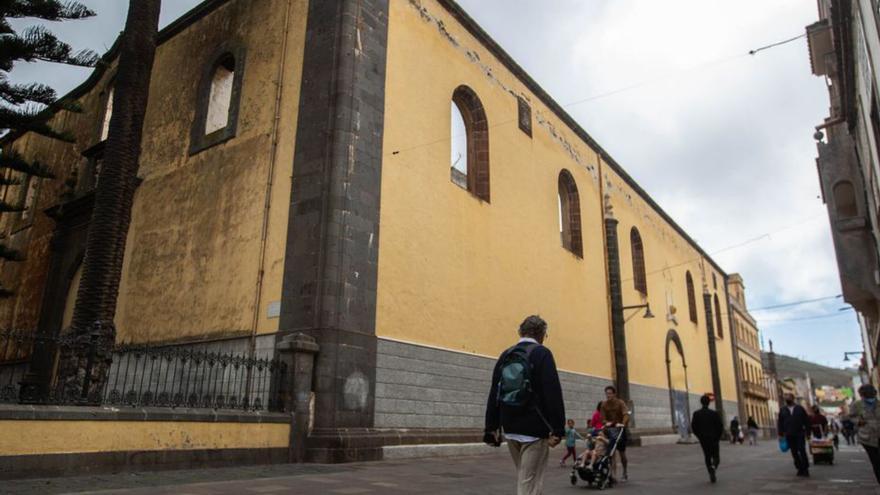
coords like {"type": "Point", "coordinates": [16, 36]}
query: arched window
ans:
{"type": "Point", "coordinates": [718, 324]}
{"type": "Point", "coordinates": [469, 150]}
{"type": "Point", "coordinates": [640, 278]}
{"type": "Point", "coordinates": [845, 200]}
{"type": "Point", "coordinates": [569, 214]}
{"type": "Point", "coordinates": [108, 112]}
{"type": "Point", "coordinates": [220, 95]}
{"type": "Point", "coordinates": [692, 298]}
{"type": "Point", "coordinates": [218, 99]}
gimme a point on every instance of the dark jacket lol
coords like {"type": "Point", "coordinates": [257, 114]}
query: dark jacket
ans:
{"type": "Point", "coordinates": [707, 426]}
{"type": "Point", "coordinates": [793, 423]}
{"type": "Point", "coordinates": [547, 399]}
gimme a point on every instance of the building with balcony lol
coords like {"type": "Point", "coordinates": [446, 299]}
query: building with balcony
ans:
{"type": "Point", "coordinates": [844, 49]}
{"type": "Point", "coordinates": [753, 391]}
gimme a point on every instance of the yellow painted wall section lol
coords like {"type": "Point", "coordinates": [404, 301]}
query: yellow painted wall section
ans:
{"type": "Point", "coordinates": [193, 253]}
{"type": "Point", "coordinates": [458, 273]}
{"type": "Point", "coordinates": [62, 437]}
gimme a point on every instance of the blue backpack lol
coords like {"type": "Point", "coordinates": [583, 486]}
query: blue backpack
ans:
{"type": "Point", "coordinates": [515, 385]}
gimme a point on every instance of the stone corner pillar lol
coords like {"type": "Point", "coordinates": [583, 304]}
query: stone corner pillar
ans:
{"type": "Point", "coordinates": [298, 352]}
{"type": "Point", "coordinates": [330, 279]}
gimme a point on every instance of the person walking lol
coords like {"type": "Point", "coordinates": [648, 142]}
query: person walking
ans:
{"type": "Point", "coordinates": [866, 416]}
{"type": "Point", "coordinates": [734, 430]}
{"type": "Point", "coordinates": [794, 425]}
{"type": "Point", "coordinates": [614, 411]}
{"type": "Point", "coordinates": [849, 429]}
{"type": "Point", "coordinates": [818, 423]}
{"type": "Point", "coordinates": [571, 438]}
{"type": "Point", "coordinates": [707, 426]}
{"type": "Point", "coordinates": [525, 405]}
{"type": "Point", "coordinates": [753, 429]}
{"type": "Point", "coordinates": [835, 432]}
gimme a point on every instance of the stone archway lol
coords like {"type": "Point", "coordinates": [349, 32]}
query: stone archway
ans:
{"type": "Point", "coordinates": [676, 374]}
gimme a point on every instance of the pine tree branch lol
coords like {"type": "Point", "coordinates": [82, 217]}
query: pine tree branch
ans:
{"type": "Point", "coordinates": [15, 161]}
{"type": "Point", "coordinates": [38, 43]}
{"type": "Point", "coordinates": [17, 94]}
{"type": "Point", "coordinates": [29, 119]}
{"type": "Point", "coordinates": [50, 10]}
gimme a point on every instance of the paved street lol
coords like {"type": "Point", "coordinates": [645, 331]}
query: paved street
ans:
{"type": "Point", "coordinates": [654, 470]}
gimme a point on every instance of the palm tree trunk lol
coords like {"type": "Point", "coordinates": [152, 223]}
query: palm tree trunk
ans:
{"type": "Point", "coordinates": [86, 361]}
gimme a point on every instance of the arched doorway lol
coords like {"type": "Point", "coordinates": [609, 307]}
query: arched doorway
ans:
{"type": "Point", "coordinates": [676, 373]}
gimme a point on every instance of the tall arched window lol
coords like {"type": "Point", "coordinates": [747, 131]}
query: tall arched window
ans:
{"type": "Point", "coordinates": [692, 298]}
{"type": "Point", "coordinates": [640, 278]}
{"type": "Point", "coordinates": [720, 327]}
{"type": "Point", "coordinates": [845, 200]}
{"type": "Point", "coordinates": [217, 104]}
{"type": "Point", "coordinates": [108, 112]}
{"type": "Point", "coordinates": [220, 95]}
{"type": "Point", "coordinates": [570, 214]}
{"type": "Point", "coordinates": [469, 157]}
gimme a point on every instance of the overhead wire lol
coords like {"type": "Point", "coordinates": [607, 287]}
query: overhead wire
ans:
{"type": "Point", "coordinates": [630, 87]}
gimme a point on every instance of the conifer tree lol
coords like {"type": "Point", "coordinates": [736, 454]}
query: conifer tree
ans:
{"type": "Point", "coordinates": [27, 107]}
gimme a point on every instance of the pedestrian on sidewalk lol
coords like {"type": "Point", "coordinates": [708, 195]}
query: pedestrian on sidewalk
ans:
{"type": "Point", "coordinates": [525, 403]}
{"type": "Point", "coordinates": [818, 423]}
{"type": "Point", "coordinates": [614, 411]}
{"type": "Point", "coordinates": [866, 415]}
{"type": "Point", "coordinates": [849, 429]}
{"type": "Point", "coordinates": [794, 425]}
{"type": "Point", "coordinates": [752, 425]}
{"type": "Point", "coordinates": [595, 423]}
{"type": "Point", "coordinates": [571, 438]}
{"type": "Point", "coordinates": [708, 428]}
{"type": "Point", "coordinates": [734, 431]}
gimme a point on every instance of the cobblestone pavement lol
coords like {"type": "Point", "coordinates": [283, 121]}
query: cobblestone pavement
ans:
{"type": "Point", "coordinates": [655, 470]}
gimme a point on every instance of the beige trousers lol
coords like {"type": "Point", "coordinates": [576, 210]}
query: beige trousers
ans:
{"type": "Point", "coordinates": [531, 461]}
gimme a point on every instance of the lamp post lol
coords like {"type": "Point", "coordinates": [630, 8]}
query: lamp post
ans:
{"type": "Point", "coordinates": [648, 314]}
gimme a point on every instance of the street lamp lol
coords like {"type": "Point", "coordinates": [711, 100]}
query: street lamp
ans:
{"type": "Point", "coordinates": [846, 354]}
{"type": "Point", "coordinates": [648, 314]}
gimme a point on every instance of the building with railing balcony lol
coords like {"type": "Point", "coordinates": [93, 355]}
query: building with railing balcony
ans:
{"type": "Point", "coordinates": [753, 396]}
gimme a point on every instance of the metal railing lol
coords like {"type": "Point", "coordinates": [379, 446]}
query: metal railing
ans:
{"type": "Point", "coordinates": [144, 375]}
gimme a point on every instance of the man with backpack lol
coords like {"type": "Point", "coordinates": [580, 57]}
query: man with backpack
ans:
{"type": "Point", "coordinates": [525, 402]}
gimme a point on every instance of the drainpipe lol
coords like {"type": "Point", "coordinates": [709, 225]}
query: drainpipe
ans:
{"type": "Point", "coordinates": [273, 156]}
{"type": "Point", "coordinates": [618, 332]}
{"type": "Point", "coordinates": [603, 201]}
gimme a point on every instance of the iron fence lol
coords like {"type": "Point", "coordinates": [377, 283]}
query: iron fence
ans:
{"type": "Point", "coordinates": [141, 375]}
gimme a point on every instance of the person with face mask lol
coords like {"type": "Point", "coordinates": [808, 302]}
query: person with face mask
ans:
{"type": "Point", "coordinates": [794, 424]}
{"type": "Point", "coordinates": [866, 416]}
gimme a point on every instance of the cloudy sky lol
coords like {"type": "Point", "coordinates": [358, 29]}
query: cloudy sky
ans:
{"type": "Point", "coordinates": [722, 140]}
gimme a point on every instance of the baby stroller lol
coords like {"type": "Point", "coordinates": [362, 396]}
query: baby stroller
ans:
{"type": "Point", "coordinates": [600, 473]}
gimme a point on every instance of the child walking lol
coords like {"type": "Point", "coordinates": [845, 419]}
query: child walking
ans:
{"type": "Point", "coordinates": [571, 437]}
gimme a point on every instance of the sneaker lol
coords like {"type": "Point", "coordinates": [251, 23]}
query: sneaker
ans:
{"type": "Point", "coordinates": [624, 478]}
{"type": "Point", "coordinates": [712, 476]}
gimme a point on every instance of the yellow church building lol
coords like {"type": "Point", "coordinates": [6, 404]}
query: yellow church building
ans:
{"type": "Point", "coordinates": [382, 176]}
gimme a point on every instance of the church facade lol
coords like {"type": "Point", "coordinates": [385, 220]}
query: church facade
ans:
{"type": "Point", "coordinates": [382, 176]}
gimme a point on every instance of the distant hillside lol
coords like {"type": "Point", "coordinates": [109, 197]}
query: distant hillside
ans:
{"type": "Point", "coordinates": [787, 366]}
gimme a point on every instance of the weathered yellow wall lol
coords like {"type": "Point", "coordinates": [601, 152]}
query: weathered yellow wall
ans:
{"type": "Point", "coordinates": [454, 271]}
{"type": "Point", "coordinates": [192, 260]}
{"type": "Point", "coordinates": [60, 437]}
{"type": "Point", "coordinates": [461, 274]}
{"type": "Point", "coordinates": [193, 253]}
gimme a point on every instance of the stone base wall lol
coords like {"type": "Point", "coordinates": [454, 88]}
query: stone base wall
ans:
{"type": "Point", "coordinates": [425, 387]}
